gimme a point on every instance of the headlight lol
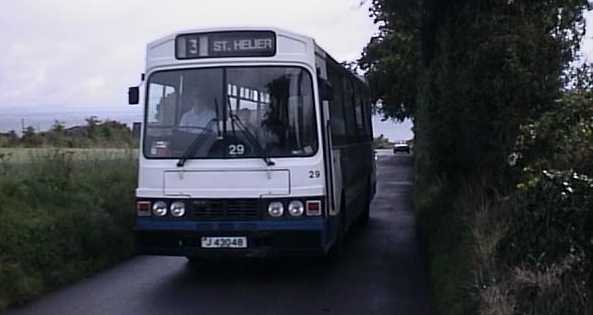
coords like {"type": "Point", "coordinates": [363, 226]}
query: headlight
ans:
{"type": "Point", "coordinates": [177, 209]}
{"type": "Point", "coordinates": [296, 208]}
{"type": "Point", "coordinates": [276, 209]}
{"type": "Point", "coordinates": [159, 208]}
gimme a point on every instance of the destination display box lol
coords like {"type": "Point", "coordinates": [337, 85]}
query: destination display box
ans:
{"type": "Point", "coordinates": [226, 44]}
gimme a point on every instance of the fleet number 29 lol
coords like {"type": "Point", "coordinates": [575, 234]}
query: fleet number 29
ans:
{"type": "Point", "coordinates": [236, 149]}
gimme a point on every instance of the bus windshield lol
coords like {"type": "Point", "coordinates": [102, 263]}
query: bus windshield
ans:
{"type": "Point", "coordinates": [230, 112]}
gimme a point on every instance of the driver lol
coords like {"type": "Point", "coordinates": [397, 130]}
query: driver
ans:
{"type": "Point", "coordinates": [200, 114]}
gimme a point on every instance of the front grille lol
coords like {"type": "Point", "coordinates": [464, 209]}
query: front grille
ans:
{"type": "Point", "coordinates": [225, 209]}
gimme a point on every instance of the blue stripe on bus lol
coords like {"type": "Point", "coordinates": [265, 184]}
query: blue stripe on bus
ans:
{"type": "Point", "coordinates": [148, 224]}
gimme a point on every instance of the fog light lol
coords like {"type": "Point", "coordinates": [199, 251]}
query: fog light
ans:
{"type": "Point", "coordinates": [313, 207]}
{"type": "Point", "coordinates": [276, 209]}
{"type": "Point", "coordinates": [177, 209]}
{"type": "Point", "coordinates": [296, 208]}
{"type": "Point", "coordinates": [159, 208]}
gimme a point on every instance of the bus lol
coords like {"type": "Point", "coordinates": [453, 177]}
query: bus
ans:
{"type": "Point", "coordinates": [255, 142]}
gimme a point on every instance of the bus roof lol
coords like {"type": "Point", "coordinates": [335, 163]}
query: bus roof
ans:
{"type": "Point", "coordinates": [278, 31]}
{"type": "Point", "coordinates": [291, 47]}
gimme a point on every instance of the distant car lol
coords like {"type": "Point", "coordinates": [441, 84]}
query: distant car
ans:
{"type": "Point", "coordinates": [401, 147]}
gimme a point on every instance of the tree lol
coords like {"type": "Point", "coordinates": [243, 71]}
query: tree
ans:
{"type": "Point", "coordinates": [476, 77]}
{"type": "Point", "coordinates": [381, 142]}
{"type": "Point", "coordinates": [91, 124]}
{"type": "Point", "coordinates": [31, 138]}
{"type": "Point", "coordinates": [469, 73]}
{"type": "Point", "coordinates": [57, 127]}
{"type": "Point", "coordinates": [28, 132]}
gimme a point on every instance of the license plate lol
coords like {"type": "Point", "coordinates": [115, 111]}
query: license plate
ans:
{"type": "Point", "coordinates": [224, 242]}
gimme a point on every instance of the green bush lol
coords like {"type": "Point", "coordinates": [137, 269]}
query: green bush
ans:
{"type": "Point", "coordinates": [95, 134]}
{"type": "Point", "coordinates": [488, 84]}
{"type": "Point", "coordinates": [381, 142]}
{"type": "Point", "coordinates": [446, 235]}
{"type": "Point", "coordinates": [61, 219]}
{"type": "Point", "coordinates": [551, 234]}
{"type": "Point", "coordinates": [545, 258]}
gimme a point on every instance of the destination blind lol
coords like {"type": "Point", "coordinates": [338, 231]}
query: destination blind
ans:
{"type": "Point", "coordinates": [226, 44]}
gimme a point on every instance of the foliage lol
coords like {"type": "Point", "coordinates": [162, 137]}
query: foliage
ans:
{"type": "Point", "coordinates": [381, 142]}
{"type": "Point", "coordinates": [446, 237]}
{"type": "Point", "coordinates": [58, 127]}
{"type": "Point", "coordinates": [495, 100]}
{"type": "Point", "coordinates": [106, 134]}
{"type": "Point", "coordinates": [61, 219]}
{"type": "Point", "coordinates": [470, 72]}
{"type": "Point", "coordinates": [9, 139]}
{"type": "Point", "coordinates": [549, 243]}
{"type": "Point", "coordinates": [552, 233]}
{"type": "Point", "coordinates": [30, 138]}
{"type": "Point", "coordinates": [561, 138]}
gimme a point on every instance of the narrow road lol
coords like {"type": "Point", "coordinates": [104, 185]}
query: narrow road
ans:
{"type": "Point", "coordinates": [381, 271]}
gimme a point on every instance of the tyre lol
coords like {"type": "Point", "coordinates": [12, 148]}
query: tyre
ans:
{"type": "Point", "coordinates": [365, 216]}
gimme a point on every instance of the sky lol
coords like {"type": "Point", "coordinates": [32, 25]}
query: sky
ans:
{"type": "Point", "coordinates": [587, 48]}
{"type": "Point", "coordinates": [68, 56]}
{"type": "Point", "coordinates": [86, 53]}
{"type": "Point", "coordinates": [76, 57]}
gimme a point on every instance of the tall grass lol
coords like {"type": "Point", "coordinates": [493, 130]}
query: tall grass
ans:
{"type": "Point", "coordinates": [528, 252]}
{"type": "Point", "coordinates": [520, 240]}
{"type": "Point", "coordinates": [446, 234]}
{"type": "Point", "coordinates": [62, 217]}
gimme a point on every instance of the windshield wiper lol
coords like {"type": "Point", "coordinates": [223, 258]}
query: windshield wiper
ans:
{"type": "Point", "coordinates": [193, 147]}
{"type": "Point", "coordinates": [250, 137]}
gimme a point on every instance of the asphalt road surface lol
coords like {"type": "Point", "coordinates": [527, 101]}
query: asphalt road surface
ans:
{"type": "Point", "coordinates": [381, 271]}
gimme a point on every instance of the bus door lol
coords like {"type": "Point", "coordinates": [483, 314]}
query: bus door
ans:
{"type": "Point", "coordinates": [330, 162]}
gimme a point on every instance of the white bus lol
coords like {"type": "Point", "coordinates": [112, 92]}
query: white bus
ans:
{"type": "Point", "coordinates": [254, 142]}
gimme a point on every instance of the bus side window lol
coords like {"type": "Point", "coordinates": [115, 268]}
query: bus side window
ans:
{"type": "Point", "coordinates": [368, 114]}
{"type": "Point", "coordinates": [338, 123]}
{"type": "Point", "coordinates": [358, 110]}
{"type": "Point", "coordinates": [349, 115]}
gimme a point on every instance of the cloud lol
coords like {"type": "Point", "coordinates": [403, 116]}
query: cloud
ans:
{"type": "Point", "coordinates": [87, 52]}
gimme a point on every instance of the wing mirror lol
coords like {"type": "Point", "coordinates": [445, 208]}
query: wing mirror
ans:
{"type": "Point", "coordinates": [133, 95]}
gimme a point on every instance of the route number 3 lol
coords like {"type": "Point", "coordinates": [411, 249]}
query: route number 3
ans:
{"type": "Point", "coordinates": [314, 174]}
{"type": "Point", "coordinates": [236, 149]}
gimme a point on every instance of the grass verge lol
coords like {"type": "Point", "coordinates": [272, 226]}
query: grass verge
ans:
{"type": "Point", "coordinates": [62, 217]}
{"type": "Point", "coordinates": [447, 239]}
{"type": "Point", "coordinates": [529, 252]}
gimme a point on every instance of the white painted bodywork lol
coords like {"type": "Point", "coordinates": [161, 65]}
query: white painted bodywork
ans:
{"type": "Point", "coordinates": [242, 177]}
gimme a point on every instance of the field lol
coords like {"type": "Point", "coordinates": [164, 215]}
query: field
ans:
{"type": "Point", "coordinates": [64, 214]}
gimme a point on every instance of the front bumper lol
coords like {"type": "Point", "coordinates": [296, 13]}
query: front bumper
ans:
{"type": "Point", "coordinates": [307, 236]}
